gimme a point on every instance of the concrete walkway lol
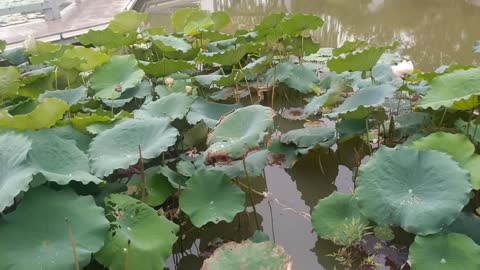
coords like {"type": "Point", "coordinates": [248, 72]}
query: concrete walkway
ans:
{"type": "Point", "coordinates": [77, 17]}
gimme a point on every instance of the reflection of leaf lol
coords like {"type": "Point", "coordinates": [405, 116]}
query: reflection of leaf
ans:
{"type": "Point", "coordinates": [398, 186]}
{"type": "Point", "coordinates": [249, 256]}
{"type": "Point", "coordinates": [45, 115]}
{"type": "Point", "coordinates": [211, 196]}
{"type": "Point", "coordinates": [37, 227]}
{"type": "Point", "coordinates": [151, 236]}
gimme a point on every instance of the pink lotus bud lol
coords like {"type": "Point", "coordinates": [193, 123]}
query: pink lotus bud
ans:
{"type": "Point", "coordinates": [403, 68]}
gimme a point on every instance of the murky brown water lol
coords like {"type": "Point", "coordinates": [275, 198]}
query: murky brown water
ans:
{"type": "Point", "coordinates": [432, 32]}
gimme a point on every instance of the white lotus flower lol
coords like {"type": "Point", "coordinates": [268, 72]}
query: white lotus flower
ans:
{"type": "Point", "coordinates": [403, 68]}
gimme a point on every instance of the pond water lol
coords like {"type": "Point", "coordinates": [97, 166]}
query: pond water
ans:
{"type": "Point", "coordinates": [432, 32]}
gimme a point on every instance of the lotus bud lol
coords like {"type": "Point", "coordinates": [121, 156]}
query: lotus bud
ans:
{"type": "Point", "coordinates": [188, 89]}
{"type": "Point", "coordinates": [169, 81]}
{"type": "Point", "coordinates": [139, 36]}
{"type": "Point", "coordinates": [117, 87]}
{"type": "Point", "coordinates": [403, 68]}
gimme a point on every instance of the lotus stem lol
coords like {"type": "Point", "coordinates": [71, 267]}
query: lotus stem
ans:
{"type": "Point", "coordinates": [127, 256]}
{"type": "Point", "coordinates": [368, 139]}
{"type": "Point", "coordinates": [469, 123]}
{"type": "Point", "coordinates": [250, 193]}
{"type": "Point", "coordinates": [475, 131]}
{"type": "Point", "coordinates": [320, 164]}
{"type": "Point", "coordinates": [72, 240]}
{"type": "Point", "coordinates": [443, 117]}
{"type": "Point", "coordinates": [142, 173]}
{"type": "Point", "coordinates": [246, 81]}
{"type": "Point", "coordinates": [271, 217]}
{"type": "Point", "coordinates": [274, 83]}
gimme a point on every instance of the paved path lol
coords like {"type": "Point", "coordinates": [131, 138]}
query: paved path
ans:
{"type": "Point", "coordinates": [80, 15]}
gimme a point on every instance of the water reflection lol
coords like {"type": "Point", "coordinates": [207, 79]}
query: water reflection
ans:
{"type": "Point", "coordinates": [433, 32]}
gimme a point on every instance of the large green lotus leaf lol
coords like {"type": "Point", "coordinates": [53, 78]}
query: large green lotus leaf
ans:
{"type": "Point", "coordinates": [255, 162]}
{"type": "Point", "coordinates": [311, 136]}
{"type": "Point", "coordinates": [14, 56]}
{"type": "Point", "coordinates": [208, 112]}
{"type": "Point", "coordinates": [269, 23]}
{"type": "Point", "coordinates": [333, 215]}
{"type": "Point", "coordinates": [295, 24]}
{"type": "Point", "coordinates": [459, 147]}
{"type": "Point", "coordinates": [44, 115]}
{"type": "Point", "coordinates": [422, 191]}
{"type": "Point", "coordinates": [70, 96]}
{"type": "Point", "coordinates": [240, 131]}
{"type": "Point", "coordinates": [59, 160]}
{"type": "Point", "coordinates": [175, 105]}
{"type": "Point", "coordinates": [362, 102]}
{"type": "Point", "coordinates": [9, 82]}
{"type": "Point", "coordinates": [151, 236]}
{"type": "Point", "coordinates": [107, 38]}
{"type": "Point", "coordinates": [118, 147]}
{"type": "Point", "coordinates": [115, 76]}
{"type": "Point", "coordinates": [180, 17]}
{"type": "Point", "coordinates": [157, 187]}
{"type": "Point", "coordinates": [298, 77]}
{"type": "Point", "coordinates": [127, 21]}
{"type": "Point", "coordinates": [221, 19]}
{"type": "Point", "coordinates": [38, 229]}
{"type": "Point", "coordinates": [301, 46]}
{"type": "Point", "coordinates": [165, 67]}
{"type": "Point", "coordinates": [249, 256]}
{"type": "Point", "coordinates": [410, 123]}
{"type": "Point", "coordinates": [476, 47]}
{"type": "Point", "coordinates": [82, 120]}
{"type": "Point", "coordinates": [171, 44]}
{"type": "Point", "coordinates": [467, 224]}
{"type": "Point", "coordinates": [140, 91]}
{"type": "Point", "coordinates": [44, 51]}
{"type": "Point", "coordinates": [195, 136]}
{"type": "Point", "coordinates": [67, 132]}
{"type": "Point", "coordinates": [211, 196]}
{"type": "Point", "coordinates": [175, 179]}
{"type": "Point", "coordinates": [331, 97]}
{"type": "Point", "coordinates": [36, 74]}
{"type": "Point", "coordinates": [282, 154]}
{"type": "Point", "coordinates": [198, 19]}
{"type": "Point", "coordinates": [15, 173]}
{"type": "Point", "coordinates": [356, 61]}
{"type": "Point", "coordinates": [458, 90]}
{"type": "Point", "coordinates": [444, 252]}
{"type": "Point", "coordinates": [87, 58]}
{"type": "Point", "coordinates": [229, 57]}
{"type": "Point", "coordinates": [350, 46]}
{"type": "Point", "coordinates": [258, 66]}
{"type": "Point", "coordinates": [220, 80]}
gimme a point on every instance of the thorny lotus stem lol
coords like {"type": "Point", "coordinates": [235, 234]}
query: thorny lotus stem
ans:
{"type": "Point", "coordinates": [368, 139]}
{"type": "Point", "coordinates": [72, 240]}
{"type": "Point", "coordinates": [142, 173]}
{"type": "Point", "coordinates": [127, 256]}
{"type": "Point", "coordinates": [320, 164]}
{"type": "Point", "coordinates": [468, 123]}
{"type": "Point", "coordinates": [271, 217]}
{"type": "Point", "coordinates": [246, 81]}
{"type": "Point", "coordinates": [250, 193]}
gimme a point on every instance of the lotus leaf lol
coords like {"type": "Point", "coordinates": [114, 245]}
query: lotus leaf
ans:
{"type": "Point", "coordinates": [45, 115]}
{"type": "Point", "coordinates": [208, 112]}
{"type": "Point", "coordinates": [127, 21]}
{"type": "Point", "coordinates": [229, 57]}
{"type": "Point", "coordinates": [70, 96]}
{"type": "Point", "coordinates": [211, 196]}
{"type": "Point", "coordinates": [107, 38]}
{"type": "Point", "coordinates": [118, 147]}
{"type": "Point", "coordinates": [423, 191]}
{"type": "Point", "coordinates": [220, 80]}
{"type": "Point", "coordinates": [140, 91]}
{"type": "Point", "coordinates": [309, 137]}
{"type": "Point", "coordinates": [14, 56]}
{"type": "Point", "coordinates": [175, 106]}
{"type": "Point", "coordinates": [171, 44]}
{"type": "Point", "coordinates": [157, 187]}
{"type": "Point", "coordinates": [249, 256]}
{"type": "Point", "coordinates": [259, 237]}
{"type": "Point", "coordinates": [81, 58]}
{"type": "Point", "coordinates": [175, 179]}
{"type": "Point", "coordinates": [459, 147]}
{"type": "Point", "coordinates": [467, 224]}
{"type": "Point", "coordinates": [165, 67]}
{"type": "Point", "coordinates": [332, 216]}
{"type": "Point", "coordinates": [301, 46]}
{"type": "Point", "coordinates": [59, 160]}
{"type": "Point", "coordinates": [458, 90]}
{"type": "Point", "coordinates": [9, 82]}
{"type": "Point", "coordinates": [444, 252]}
{"type": "Point", "coordinates": [282, 154]}
{"type": "Point", "coordinates": [296, 23]}
{"type": "Point", "coordinates": [298, 77]}
{"type": "Point", "coordinates": [151, 236]}
{"type": "Point", "coordinates": [81, 121]}
{"type": "Point", "coordinates": [67, 132]}
{"type": "Point", "coordinates": [38, 229]}
{"type": "Point", "coordinates": [196, 136]}
{"type": "Point", "coordinates": [115, 76]}
{"type": "Point", "coordinates": [15, 173]}
{"type": "Point", "coordinates": [350, 46]}
{"type": "Point", "coordinates": [356, 61]}
{"type": "Point", "coordinates": [362, 102]}
{"type": "Point", "coordinates": [239, 131]}
{"type": "Point", "coordinates": [254, 161]}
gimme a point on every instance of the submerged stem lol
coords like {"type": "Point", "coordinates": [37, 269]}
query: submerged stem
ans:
{"type": "Point", "coordinates": [72, 240]}
{"type": "Point", "coordinates": [250, 193]}
{"type": "Point", "coordinates": [142, 173]}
